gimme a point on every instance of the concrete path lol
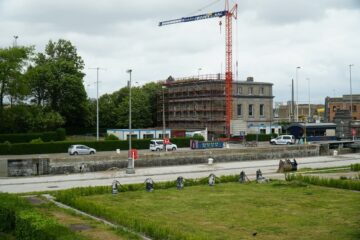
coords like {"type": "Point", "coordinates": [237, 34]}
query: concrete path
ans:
{"type": "Point", "coordinates": [268, 167]}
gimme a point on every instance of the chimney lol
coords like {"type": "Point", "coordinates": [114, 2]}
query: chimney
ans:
{"type": "Point", "coordinates": [250, 79]}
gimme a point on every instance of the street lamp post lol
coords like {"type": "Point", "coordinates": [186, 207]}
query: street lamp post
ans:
{"type": "Point", "coordinates": [97, 100]}
{"type": "Point", "coordinates": [351, 107]}
{"type": "Point", "coordinates": [309, 115]}
{"type": "Point", "coordinates": [163, 117]}
{"type": "Point", "coordinates": [297, 95]}
{"type": "Point", "coordinates": [130, 168]}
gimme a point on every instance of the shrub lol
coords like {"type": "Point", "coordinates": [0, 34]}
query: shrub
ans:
{"type": "Point", "coordinates": [37, 140]}
{"type": "Point", "coordinates": [60, 134]}
{"type": "Point", "coordinates": [327, 182]}
{"type": "Point", "coordinates": [111, 137]}
{"type": "Point", "coordinates": [355, 167]}
{"type": "Point", "coordinates": [260, 137]}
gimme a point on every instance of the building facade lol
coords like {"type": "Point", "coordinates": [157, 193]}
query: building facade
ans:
{"type": "Point", "coordinates": [199, 103]}
{"type": "Point", "coordinates": [342, 103]}
{"type": "Point", "coordinates": [284, 112]}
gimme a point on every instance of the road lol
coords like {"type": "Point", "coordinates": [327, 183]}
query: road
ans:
{"type": "Point", "coordinates": [268, 167]}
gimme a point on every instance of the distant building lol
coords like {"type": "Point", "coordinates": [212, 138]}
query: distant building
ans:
{"type": "Point", "coordinates": [316, 112]}
{"type": "Point", "coordinates": [123, 134]}
{"type": "Point", "coordinates": [199, 102]}
{"type": "Point", "coordinates": [342, 103]}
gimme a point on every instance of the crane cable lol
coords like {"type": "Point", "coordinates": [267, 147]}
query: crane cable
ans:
{"type": "Point", "coordinates": [203, 8]}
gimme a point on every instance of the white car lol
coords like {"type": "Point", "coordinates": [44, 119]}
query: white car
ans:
{"type": "Point", "coordinates": [80, 149]}
{"type": "Point", "coordinates": [283, 139]}
{"type": "Point", "coordinates": [158, 145]}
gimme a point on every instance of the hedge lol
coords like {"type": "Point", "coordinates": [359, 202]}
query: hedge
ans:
{"type": "Point", "coordinates": [17, 215]}
{"type": "Point", "coordinates": [62, 147]}
{"type": "Point", "coordinates": [58, 135]}
{"type": "Point", "coordinates": [260, 137]}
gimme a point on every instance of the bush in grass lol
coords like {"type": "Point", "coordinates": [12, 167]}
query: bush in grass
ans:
{"type": "Point", "coordinates": [327, 182]}
{"type": "Point", "coordinates": [111, 137]}
{"type": "Point", "coordinates": [355, 167]}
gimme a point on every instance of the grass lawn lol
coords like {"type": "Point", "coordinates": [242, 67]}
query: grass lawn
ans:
{"type": "Point", "coordinates": [278, 210]}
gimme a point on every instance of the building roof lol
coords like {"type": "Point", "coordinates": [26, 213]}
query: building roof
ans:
{"type": "Point", "coordinates": [313, 125]}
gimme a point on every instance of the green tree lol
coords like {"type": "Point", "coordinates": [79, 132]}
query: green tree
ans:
{"type": "Point", "coordinates": [12, 62]}
{"type": "Point", "coordinates": [56, 81]}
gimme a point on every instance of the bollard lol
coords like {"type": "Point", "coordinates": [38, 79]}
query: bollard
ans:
{"type": "Point", "coordinates": [118, 151]}
{"type": "Point", "coordinates": [210, 161]}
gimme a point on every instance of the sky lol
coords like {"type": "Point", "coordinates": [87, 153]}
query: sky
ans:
{"type": "Point", "coordinates": [271, 38]}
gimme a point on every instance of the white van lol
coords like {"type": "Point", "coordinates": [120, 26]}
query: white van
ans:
{"type": "Point", "coordinates": [158, 145]}
{"type": "Point", "coordinates": [283, 139]}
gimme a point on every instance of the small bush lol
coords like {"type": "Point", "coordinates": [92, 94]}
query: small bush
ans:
{"type": "Point", "coordinates": [37, 140]}
{"type": "Point", "coordinates": [327, 182]}
{"type": "Point", "coordinates": [355, 167]}
{"type": "Point", "coordinates": [60, 134]}
{"type": "Point", "coordinates": [111, 137]}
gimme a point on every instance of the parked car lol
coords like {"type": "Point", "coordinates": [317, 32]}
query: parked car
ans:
{"type": "Point", "coordinates": [80, 149]}
{"type": "Point", "coordinates": [158, 145]}
{"type": "Point", "coordinates": [283, 139]}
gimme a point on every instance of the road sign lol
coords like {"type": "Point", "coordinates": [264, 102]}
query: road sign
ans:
{"type": "Point", "coordinates": [166, 141]}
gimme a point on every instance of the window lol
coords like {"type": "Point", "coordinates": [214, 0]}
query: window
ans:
{"type": "Point", "coordinates": [250, 90]}
{"type": "Point", "coordinates": [239, 109]}
{"type": "Point", "coordinates": [354, 108]}
{"type": "Point", "coordinates": [262, 90]}
{"type": "Point", "coordinates": [251, 110]}
{"type": "Point", "coordinates": [239, 90]}
{"type": "Point", "coordinates": [261, 109]}
{"type": "Point", "coordinates": [148, 136]}
{"type": "Point", "coordinates": [262, 131]}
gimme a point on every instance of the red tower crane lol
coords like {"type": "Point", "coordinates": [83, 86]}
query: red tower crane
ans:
{"type": "Point", "coordinates": [229, 15]}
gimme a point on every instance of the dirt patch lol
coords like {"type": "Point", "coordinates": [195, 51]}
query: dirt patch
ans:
{"type": "Point", "coordinates": [35, 200]}
{"type": "Point", "coordinates": [79, 227]}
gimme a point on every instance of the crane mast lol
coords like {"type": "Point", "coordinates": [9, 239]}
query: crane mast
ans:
{"type": "Point", "coordinates": [229, 14]}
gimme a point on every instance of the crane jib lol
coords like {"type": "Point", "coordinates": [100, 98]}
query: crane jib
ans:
{"type": "Point", "coordinates": [194, 18]}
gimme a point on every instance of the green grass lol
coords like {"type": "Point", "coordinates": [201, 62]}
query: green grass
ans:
{"type": "Point", "coordinates": [355, 167]}
{"type": "Point", "coordinates": [279, 210]}
{"type": "Point", "coordinates": [325, 170]}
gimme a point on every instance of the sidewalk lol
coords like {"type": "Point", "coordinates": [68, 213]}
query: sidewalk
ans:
{"type": "Point", "coordinates": [268, 167]}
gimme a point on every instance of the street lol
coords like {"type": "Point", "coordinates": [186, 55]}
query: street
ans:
{"type": "Point", "coordinates": [268, 167]}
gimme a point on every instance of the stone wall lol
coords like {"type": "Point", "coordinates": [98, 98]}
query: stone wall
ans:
{"type": "Point", "coordinates": [97, 163]}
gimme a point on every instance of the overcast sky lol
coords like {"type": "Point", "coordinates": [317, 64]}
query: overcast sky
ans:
{"type": "Point", "coordinates": [271, 38]}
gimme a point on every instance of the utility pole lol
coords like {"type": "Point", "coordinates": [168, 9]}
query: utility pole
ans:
{"type": "Point", "coordinates": [351, 107]}
{"type": "Point", "coordinates": [97, 100]}
{"type": "Point", "coordinates": [163, 117]}
{"type": "Point", "coordinates": [297, 94]}
{"type": "Point", "coordinates": [309, 115]}
{"type": "Point", "coordinates": [292, 100]}
{"type": "Point", "coordinates": [130, 169]}
{"type": "Point", "coordinates": [15, 41]}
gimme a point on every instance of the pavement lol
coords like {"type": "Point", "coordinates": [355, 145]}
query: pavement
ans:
{"type": "Point", "coordinates": [167, 173]}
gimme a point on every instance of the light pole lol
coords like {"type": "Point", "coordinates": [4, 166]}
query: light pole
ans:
{"type": "Point", "coordinates": [97, 100]}
{"type": "Point", "coordinates": [130, 168]}
{"type": "Point", "coordinates": [297, 95]}
{"type": "Point", "coordinates": [163, 117]}
{"type": "Point", "coordinates": [309, 115]}
{"type": "Point", "coordinates": [15, 41]}
{"type": "Point", "coordinates": [351, 108]}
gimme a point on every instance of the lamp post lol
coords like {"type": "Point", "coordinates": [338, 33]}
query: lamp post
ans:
{"type": "Point", "coordinates": [130, 168]}
{"type": "Point", "coordinates": [97, 100]}
{"type": "Point", "coordinates": [351, 107]}
{"type": "Point", "coordinates": [297, 95]}
{"type": "Point", "coordinates": [15, 41]}
{"type": "Point", "coordinates": [309, 115]}
{"type": "Point", "coordinates": [163, 117]}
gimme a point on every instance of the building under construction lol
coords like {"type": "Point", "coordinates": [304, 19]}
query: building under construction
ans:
{"type": "Point", "coordinates": [199, 102]}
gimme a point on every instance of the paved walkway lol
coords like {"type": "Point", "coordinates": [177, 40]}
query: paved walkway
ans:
{"type": "Point", "coordinates": [268, 167]}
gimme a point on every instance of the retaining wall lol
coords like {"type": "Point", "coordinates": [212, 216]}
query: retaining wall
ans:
{"type": "Point", "coordinates": [76, 164]}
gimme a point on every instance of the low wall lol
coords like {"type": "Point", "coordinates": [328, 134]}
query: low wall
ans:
{"type": "Point", "coordinates": [76, 164]}
{"type": "Point", "coordinates": [94, 163]}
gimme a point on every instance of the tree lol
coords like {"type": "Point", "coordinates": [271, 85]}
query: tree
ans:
{"type": "Point", "coordinates": [12, 62]}
{"type": "Point", "coordinates": [56, 81]}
